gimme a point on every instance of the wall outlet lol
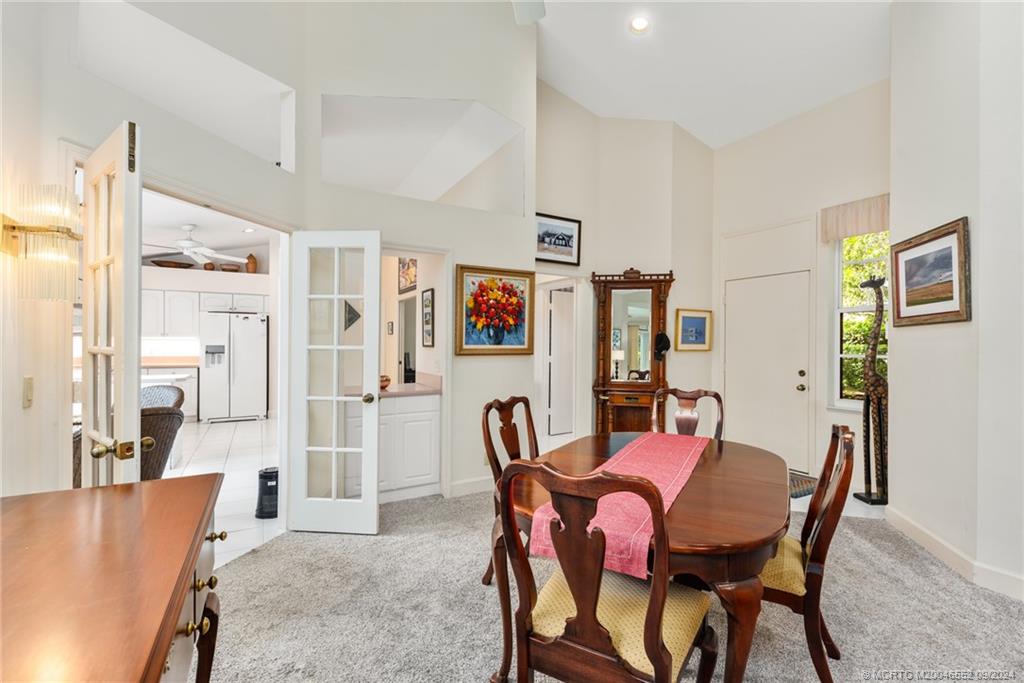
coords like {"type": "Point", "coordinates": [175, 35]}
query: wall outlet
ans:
{"type": "Point", "coordinates": [28, 390]}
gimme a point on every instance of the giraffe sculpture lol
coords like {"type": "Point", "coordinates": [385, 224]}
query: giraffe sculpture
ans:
{"type": "Point", "coordinates": [876, 409]}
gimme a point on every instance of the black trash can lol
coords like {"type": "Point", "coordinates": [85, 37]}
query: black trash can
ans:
{"type": "Point", "coordinates": [266, 502]}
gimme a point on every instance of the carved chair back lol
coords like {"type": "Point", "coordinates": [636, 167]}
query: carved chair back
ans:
{"type": "Point", "coordinates": [829, 499]}
{"type": "Point", "coordinates": [508, 431]}
{"type": "Point", "coordinates": [686, 415]}
{"type": "Point", "coordinates": [584, 651]}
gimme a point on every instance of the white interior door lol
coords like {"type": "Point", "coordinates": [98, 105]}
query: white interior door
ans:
{"type": "Point", "coordinates": [110, 310]}
{"type": "Point", "coordinates": [767, 399]}
{"type": "Point", "coordinates": [561, 358]}
{"type": "Point", "coordinates": [334, 379]}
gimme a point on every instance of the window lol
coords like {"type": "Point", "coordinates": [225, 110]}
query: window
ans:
{"type": "Point", "coordinates": [860, 258]}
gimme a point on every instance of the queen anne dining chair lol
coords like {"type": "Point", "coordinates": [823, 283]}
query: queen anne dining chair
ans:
{"type": "Point", "coordinates": [585, 623]}
{"type": "Point", "coordinates": [794, 576]}
{"type": "Point", "coordinates": [686, 415]}
{"type": "Point", "coordinates": [509, 434]}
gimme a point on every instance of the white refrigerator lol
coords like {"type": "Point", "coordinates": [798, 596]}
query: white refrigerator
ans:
{"type": "Point", "coordinates": [233, 376]}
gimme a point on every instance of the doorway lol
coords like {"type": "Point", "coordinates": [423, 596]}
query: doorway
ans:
{"type": "Point", "coordinates": [555, 368]}
{"type": "Point", "coordinates": [767, 355]}
{"type": "Point", "coordinates": [407, 340]}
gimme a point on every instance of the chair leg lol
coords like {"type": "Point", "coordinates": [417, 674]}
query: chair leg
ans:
{"type": "Point", "coordinates": [708, 654]}
{"type": "Point", "coordinates": [812, 629]}
{"type": "Point", "coordinates": [488, 574]}
{"type": "Point", "coordinates": [830, 646]}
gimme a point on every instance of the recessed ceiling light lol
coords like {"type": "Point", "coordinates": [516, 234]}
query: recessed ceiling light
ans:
{"type": "Point", "coordinates": [248, 229]}
{"type": "Point", "coordinates": [639, 25]}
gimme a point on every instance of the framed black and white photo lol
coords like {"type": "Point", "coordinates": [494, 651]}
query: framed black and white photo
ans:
{"type": "Point", "coordinates": [558, 239]}
{"type": "Point", "coordinates": [427, 311]}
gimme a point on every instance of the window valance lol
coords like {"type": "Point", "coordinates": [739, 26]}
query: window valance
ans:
{"type": "Point", "coordinates": [855, 218]}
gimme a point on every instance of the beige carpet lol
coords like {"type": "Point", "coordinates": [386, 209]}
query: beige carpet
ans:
{"type": "Point", "coordinates": [408, 606]}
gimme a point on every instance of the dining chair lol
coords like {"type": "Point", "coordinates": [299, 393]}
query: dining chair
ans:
{"type": "Point", "coordinates": [686, 415]}
{"type": "Point", "coordinates": [794, 576]}
{"type": "Point", "coordinates": [586, 623]}
{"type": "Point", "coordinates": [509, 434]}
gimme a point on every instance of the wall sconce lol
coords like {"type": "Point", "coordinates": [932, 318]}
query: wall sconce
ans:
{"type": "Point", "coordinates": [45, 238]}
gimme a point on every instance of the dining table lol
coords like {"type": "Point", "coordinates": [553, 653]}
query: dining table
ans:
{"type": "Point", "coordinates": [722, 528]}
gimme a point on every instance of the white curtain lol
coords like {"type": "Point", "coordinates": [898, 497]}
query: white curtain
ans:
{"type": "Point", "coordinates": [855, 218]}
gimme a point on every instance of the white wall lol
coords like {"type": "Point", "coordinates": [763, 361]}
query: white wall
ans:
{"type": "Point", "coordinates": [465, 51]}
{"type": "Point", "coordinates": [783, 176]}
{"type": "Point", "coordinates": [643, 190]}
{"type": "Point", "coordinates": [955, 406]}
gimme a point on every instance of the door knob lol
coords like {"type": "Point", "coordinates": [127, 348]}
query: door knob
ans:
{"type": "Point", "coordinates": [369, 398]}
{"type": "Point", "coordinates": [101, 450]}
{"type": "Point", "coordinates": [148, 443]}
{"type": "Point", "coordinates": [802, 373]}
{"type": "Point", "coordinates": [801, 387]}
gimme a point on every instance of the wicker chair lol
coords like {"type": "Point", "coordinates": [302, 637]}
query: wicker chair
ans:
{"type": "Point", "coordinates": [161, 419]}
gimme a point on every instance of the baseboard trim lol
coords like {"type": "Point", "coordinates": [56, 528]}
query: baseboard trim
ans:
{"type": "Point", "coordinates": [420, 491]}
{"type": "Point", "coordinates": [976, 572]}
{"type": "Point", "coordinates": [464, 487]}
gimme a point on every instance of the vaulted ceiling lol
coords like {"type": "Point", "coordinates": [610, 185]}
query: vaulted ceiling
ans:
{"type": "Point", "coordinates": [722, 71]}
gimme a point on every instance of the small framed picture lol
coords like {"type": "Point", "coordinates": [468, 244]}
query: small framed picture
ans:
{"type": "Point", "coordinates": [427, 311]}
{"type": "Point", "coordinates": [931, 277]}
{"type": "Point", "coordinates": [558, 239]}
{"type": "Point", "coordinates": [406, 275]}
{"type": "Point", "coordinates": [693, 329]}
{"type": "Point", "coordinates": [616, 338]}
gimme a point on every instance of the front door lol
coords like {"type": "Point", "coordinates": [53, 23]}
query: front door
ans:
{"type": "Point", "coordinates": [111, 256]}
{"type": "Point", "coordinates": [767, 387]}
{"type": "Point", "coordinates": [334, 381]}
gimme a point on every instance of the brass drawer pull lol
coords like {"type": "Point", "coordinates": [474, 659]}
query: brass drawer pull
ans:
{"type": "Point", "coordinates": [210, 583]}
{"type": "Point", "coordinates": [190, 628]}
{"type": "Point", "coordinates": [214, 536]}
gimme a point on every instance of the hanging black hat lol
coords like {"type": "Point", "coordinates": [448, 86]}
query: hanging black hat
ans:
{"type": "Point", "coordinates": [661, 344]}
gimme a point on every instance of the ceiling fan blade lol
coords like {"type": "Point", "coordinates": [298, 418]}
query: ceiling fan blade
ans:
{"type": "Point", "coordinates": [198, 258]}
{"type": "Point", "coordinates": [224, 257]}
{"type": "Point", "coordinates": [161, 246]}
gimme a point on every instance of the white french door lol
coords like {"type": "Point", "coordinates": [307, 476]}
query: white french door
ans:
{"type": "Point", "coordinates": [333, 381]}
{"type": "Point", "coordinates": [111, 259]}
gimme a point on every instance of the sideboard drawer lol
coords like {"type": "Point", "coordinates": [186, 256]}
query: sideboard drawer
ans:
{"type": "Point", "coordinates": [631, 399]}
{"type": "Point", "coordinates": [179, 658]}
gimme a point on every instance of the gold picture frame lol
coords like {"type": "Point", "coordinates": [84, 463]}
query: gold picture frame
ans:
{"type": "Point", "coordinates": [694, 329]}
{"type": "Point", "coordinates": [497, 318]}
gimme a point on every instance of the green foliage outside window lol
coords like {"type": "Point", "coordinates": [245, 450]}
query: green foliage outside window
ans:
{"type": "Point", "coordinates": [864, 257]}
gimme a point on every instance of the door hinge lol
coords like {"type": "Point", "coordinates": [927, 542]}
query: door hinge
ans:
{"type": "Point", "coordinates": [131, 147]}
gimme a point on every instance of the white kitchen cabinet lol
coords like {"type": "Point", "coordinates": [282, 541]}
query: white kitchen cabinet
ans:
{"type": "Point", "coordinates": [181, 314]}
{"type": "Point", "coordinates": [247, 303]}
{"type": "Point", "coordinates": [151, 302]}
{"type": "Point", "coordinates": [409, 448]}
{"type": "Point", "coordinates": [215, 301]}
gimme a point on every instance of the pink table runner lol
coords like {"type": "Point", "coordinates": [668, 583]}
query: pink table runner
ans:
{"type": "Point", "coordinates": [667, 460]}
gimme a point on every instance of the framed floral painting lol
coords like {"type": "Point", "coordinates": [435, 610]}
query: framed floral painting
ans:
{"type": "Point", "coordinates": [494, 311]}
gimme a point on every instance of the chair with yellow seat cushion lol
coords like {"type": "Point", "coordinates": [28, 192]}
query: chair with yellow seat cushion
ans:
{"type": "Point", "coordinates": [793, 577]}
{"type": "Point", "coordinates": [622, 608]}
{"type": "Point", "coordinates": [785, 571]}
{"type": "Point", "coordinates": [588, 623]}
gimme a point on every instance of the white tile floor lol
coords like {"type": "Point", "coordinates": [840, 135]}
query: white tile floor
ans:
{"type": "Point", "coordinates": [239, 450]}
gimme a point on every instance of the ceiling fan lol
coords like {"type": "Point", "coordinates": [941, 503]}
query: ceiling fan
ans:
{"type": "Point", "coordinates": [194, 249]}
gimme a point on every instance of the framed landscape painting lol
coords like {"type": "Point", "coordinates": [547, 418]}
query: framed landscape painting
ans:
{"type": "Point", "coordinates": [494, 311]}
{"type": "Point", "coordinates": [558, 239]}
{"type": "Point", "coordinates": [693, 329]}
{"type": "Point", "coordinates": [931, 277]}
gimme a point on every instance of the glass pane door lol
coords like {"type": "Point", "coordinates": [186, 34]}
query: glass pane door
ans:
{"type": "Point", "coordinates": [334, 381]}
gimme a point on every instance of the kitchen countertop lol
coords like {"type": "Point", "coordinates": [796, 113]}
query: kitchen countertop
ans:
{"type": "Point", "coordinates": [397, 390]}
{"type": "Point", "coordinates": [170, 361]}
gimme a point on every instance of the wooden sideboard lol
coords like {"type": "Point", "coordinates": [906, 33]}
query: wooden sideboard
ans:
{"type": "Point", "coordinates": [101, 583]}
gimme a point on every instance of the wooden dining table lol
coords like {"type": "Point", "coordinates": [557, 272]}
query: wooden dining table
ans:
{"type": "Point", "coordinates": [722, 528]}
